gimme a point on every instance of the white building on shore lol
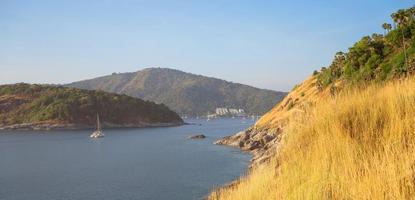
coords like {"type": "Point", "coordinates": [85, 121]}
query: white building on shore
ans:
{"type": "Point", "coordinates": [230, 111]}
{"type": "Point", "coordinates": [222, 111]}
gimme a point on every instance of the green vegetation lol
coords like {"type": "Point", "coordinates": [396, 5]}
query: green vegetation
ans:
{"type": "Point", "coordinates": [185, 93]}
{"type": "Point", "coordinates": [377, 57]}
{"type": "Point", "coordinates": [25, 103]}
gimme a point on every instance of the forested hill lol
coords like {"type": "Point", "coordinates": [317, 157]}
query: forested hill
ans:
{"type": "Point", "coordinates": [185, 93]}
{"type": "Point", "coordinates": [55, 106]}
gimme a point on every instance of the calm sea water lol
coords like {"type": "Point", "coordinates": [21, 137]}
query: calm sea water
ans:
{"type": "Point", "coordinates": [147, 163]}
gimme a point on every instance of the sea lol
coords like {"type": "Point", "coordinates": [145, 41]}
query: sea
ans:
{"type": "Point", "coordinates": [131, 163]}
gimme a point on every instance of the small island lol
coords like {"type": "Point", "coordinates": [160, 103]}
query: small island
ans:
{"type": "Point", "coordinates": [44, 107]}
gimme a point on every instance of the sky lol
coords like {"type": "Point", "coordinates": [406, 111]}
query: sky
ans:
{"type": "Point", "coordinates": [266, 44]}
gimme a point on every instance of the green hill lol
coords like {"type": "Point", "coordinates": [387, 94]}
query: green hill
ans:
{"type": "Point", "coordinates": [44, 106]}
{"type": "Point", "coordinates": [185, 93]}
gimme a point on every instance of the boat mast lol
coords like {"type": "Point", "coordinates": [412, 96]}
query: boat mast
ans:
{"type": "Point", "coordinates": [98, 125]}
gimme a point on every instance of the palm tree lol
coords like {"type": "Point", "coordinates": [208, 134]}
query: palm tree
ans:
{"type": "Point", "coordinates": [387, 27]}
{"type": "Point", "coordinates": [395, 18]}
{"type": "Point", "coordinates": [401, 18]}
{"type": "Point", "coordinates": [412, 12]}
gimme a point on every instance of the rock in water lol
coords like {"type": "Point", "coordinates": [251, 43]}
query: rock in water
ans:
{"type": "Point", "coordinates": [194, 137]}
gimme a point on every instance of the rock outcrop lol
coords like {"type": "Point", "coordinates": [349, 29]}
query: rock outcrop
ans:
{"type": "Point", "coordinates": [197, 137]}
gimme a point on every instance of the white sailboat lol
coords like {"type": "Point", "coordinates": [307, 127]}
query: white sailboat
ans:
{"type": "Point", "coordinates": [208, 117]}
{"type": "Point", "coordinates": [97, 133]}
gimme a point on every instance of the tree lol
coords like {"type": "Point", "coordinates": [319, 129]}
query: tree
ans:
{"type": "Point", "coordinates": [401, 18]}
{"type": "Point", "coordinates": [387, 27]}
{"type": "Point", "coordinates": [412, 12]}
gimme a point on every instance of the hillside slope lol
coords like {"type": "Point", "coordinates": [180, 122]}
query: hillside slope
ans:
{"type": "Point", "coordinates": [185, 93]}
{"type": "Point", "coordinates": [25, 106]}
{"type": "Point", "coordinates": [347, 132]}
{"type": "Point", "coordinates": [358, 145]}
{"type": "Point", "coordinates": [374, 59]}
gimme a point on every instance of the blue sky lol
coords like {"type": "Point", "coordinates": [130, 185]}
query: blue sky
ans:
{"type": "Point", "coordinates": [267, 44]}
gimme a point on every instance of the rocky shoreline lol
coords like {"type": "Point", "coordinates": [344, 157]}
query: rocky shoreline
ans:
{"type": "Point", "coordinates": [263, 139]}
{"type": "Point", "coordinates": [262, 143]}
{"type": "Point", "coordinates": [70, 126]}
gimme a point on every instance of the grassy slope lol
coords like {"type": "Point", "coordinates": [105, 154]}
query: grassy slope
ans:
{"type": "Point", "coordinates": [359, 145]}
{"type": "Point", "coordinates": [25, 103]}
{"type": "Point", "coordinates": [302, 95]}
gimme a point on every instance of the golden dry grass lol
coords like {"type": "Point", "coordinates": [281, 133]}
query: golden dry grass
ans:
{"type": "Point", "coordinates": [358, 145]}
{"type": "Point", "coordinates": [304, 94]}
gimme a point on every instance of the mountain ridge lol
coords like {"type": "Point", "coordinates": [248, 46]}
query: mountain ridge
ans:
{"type": "Point", "coordinates": [184, 92]}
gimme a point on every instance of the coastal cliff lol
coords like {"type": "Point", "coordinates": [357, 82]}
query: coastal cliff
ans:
{"type": "Point", "coordinates": [42, 107]}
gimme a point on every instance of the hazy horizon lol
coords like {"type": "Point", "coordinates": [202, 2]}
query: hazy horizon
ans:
{"type": "Point", "coordinates": [272, 45]}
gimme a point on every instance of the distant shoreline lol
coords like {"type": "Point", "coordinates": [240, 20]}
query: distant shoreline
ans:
{"type": "Point", "coordinates": [69, 126]}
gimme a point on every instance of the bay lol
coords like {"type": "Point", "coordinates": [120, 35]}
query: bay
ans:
{"type": "Point", "coordinates": [142, 163]}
